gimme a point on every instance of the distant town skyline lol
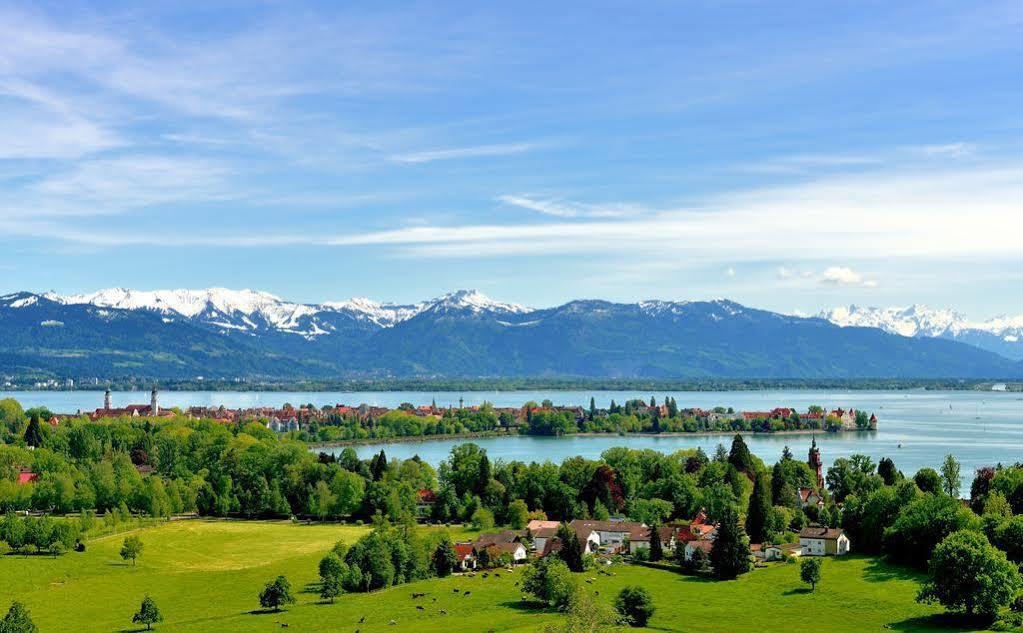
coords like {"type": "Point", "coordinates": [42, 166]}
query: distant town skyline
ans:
{"type": "Point", "coordinates": [791, 157]}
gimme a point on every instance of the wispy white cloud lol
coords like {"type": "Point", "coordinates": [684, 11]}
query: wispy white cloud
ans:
{"type": "Point", "coordinates": [460, 153]}
{"type": "Point", "coordinates": [882, 214]}
{"type": "Point", "coordinates": [567, 209]}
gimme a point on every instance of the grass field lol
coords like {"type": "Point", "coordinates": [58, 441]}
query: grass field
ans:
{"type": "Point", "coordinates": [205, 576]}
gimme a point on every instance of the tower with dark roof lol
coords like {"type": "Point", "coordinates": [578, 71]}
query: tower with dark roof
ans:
{"type": "Point", "coordinates": [816, 464]}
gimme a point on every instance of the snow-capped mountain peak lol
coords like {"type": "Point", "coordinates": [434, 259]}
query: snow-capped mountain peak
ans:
{"type": "Point", "coordinates": [475, 302]}
{"type": "Point", "coordinates": [382, 314]}
{"type": "Point", "coordinates": [915, 320]}
{"type": "Point", "coordinates": [1001, 334]}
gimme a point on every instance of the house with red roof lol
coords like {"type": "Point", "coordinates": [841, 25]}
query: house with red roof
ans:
{"type": "Point", "coordinates": [27, 477]}
{"type": "Point", "coordinates": [466, 556]}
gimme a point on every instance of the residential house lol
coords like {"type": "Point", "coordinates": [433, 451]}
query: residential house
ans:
{"type": "Point", "coordinates": [818, 540]}
{"type": "Point", "coordinates": [692, 546]}
{"type": "Point", "coordinates": [516, 550]}
{"type": "Point", "coordinates": [542, 535]}
{"type": "Point", "coordinates": [496, 538]}
{"type": "Point", "coordinates": [425, 501]}
{"type": "Point", "coordinates": [780, 552]}
{"type": "Point", "coordinates": [611, 535]}
{"type": "Point", "coordinates": [536, 524]}
{"type": "Point", "coordinates": [27, 477]}
{"type": "Point", "coordinates": [466, 556]}
{"type": "Point", "coordinates": [809, 497]}
{"type": "Point", "coordinates": [639, 538]}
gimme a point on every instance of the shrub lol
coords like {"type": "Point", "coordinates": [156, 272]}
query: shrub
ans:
{"type": "Point", "coordinates": [635, 605]}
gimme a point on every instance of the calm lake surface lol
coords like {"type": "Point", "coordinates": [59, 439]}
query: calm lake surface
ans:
{"type": "Point", "coordinates": [979, 428]}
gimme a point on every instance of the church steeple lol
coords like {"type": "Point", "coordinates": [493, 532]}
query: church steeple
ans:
{"type": "Point", "coordinates": [815, 462]}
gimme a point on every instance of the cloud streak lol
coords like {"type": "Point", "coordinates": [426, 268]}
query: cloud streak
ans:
{"type": "Point", "coordinates": [567, 209]}
{"type": "Point", "coordinates": [462, 153]}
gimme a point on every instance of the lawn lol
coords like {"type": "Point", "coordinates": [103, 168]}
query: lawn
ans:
{"type": "Point", "coordinates": [205, 575]}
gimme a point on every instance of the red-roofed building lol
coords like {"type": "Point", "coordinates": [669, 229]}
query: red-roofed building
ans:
{"type": "Point", "coordinates": [426, 499]}
{"type": "Point", "coordinates": [466, 556]}
{"type": "Point", "coordinates": [26, 477]}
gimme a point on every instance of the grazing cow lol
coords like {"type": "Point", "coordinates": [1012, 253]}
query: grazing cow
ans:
{"type": "Point", "coordinates": [443, 612]}
{"type": "Point", "coordinates": [420, 607]}
{"type": "Point", "coordinates": [466, 594]}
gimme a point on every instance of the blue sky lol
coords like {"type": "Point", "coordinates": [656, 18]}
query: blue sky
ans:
{"type": "Point", "coordinates": [787, 155]}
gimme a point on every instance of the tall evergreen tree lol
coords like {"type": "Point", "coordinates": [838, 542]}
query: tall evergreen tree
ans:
{"type": "Point", "coordinates": [888, 472]}
{"type": "Point", "coordinates": [656, 548]}
{"type": "Point", "coordinates": [740, 456]}
{"type": "Point", "coordinates": [571, 551]}
{"type": "Point", "coordinates": [484, 475]}
{"type": "Point", "coordinates": [730, 553]}
{"type": "Point", "coordinates": [378, 465]}
{"type": "Point", "coordinates": [34, 432]}
{"type": "Point", "coordinates": [655, 419]}
{"type": "Point", "coordinates": [593, 408]}
{"type": "Point", "coordinates": [17, 620]}
{"type": "Point", "coordinates": [444, 558]}
{"type": "Point", "coordinates": [759, 513]}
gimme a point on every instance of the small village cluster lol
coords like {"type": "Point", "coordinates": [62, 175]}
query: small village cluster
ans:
{"type": "Point", "coordinates": [619, 536]}
{"type": "Point", "coordinates": [290, 418]}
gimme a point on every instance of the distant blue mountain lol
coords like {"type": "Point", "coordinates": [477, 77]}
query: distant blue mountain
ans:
{"type": "Point", "coordinates": [226, 334]}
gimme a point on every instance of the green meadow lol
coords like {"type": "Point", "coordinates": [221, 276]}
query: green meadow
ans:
{"type": "Point", "coordinates": [205, 575]}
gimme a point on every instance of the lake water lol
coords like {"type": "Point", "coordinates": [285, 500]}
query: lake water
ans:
{"type": "Point", "coordinates": [979, 428]}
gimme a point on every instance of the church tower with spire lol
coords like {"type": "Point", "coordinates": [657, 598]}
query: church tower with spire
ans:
{"type": "Point", "coordinates": [815, 462]}
{"type": "Point", "coordinates": [154, 405]}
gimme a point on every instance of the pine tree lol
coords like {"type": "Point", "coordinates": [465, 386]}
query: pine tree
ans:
{"type": "Point", "coordinates": [444, 558]}
{"type": "Point", "coordinates": [740, 456]}
{"type": "Point", "coordinates": [656, 549]}
{"type": "Point", "coordinates": [593, 408]}
{"type": "Point", "coordinates": [730, 553]}
{"type": "Point", "coordinates": [378, 466]}
{"type": "Point", "coordinates": [759, 513]}
{"type": "Point", "coordinates": [17, 620]}
{"type": "Point", "coordinates": [655, 420]}
{"type": "Point", "coordinates": [571, 551]}
{"type": "Point", "coordinates": [34, 432]}
{"type": "Point", "coordinates": [484, 476]}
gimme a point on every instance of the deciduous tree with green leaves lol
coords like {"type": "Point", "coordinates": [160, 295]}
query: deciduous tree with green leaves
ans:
{"type": "Point", "coordinates": [148, 614]}
{"type": "Point", "coordinates": [635, 605]}
{"type": "Point", "coordinates": [810, 571]}
{"type": "Point", "coordinates": [131, 549]}
{"type": "Point", "coordinates": [968, 574]}
{"type": "Point", "coordinates": [276, 594]}
{"type": "Point", "coordinates": [950, 476]}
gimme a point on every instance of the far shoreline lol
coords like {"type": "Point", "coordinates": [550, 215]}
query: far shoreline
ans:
{"type": "Point", "coordinates": [416, 439]}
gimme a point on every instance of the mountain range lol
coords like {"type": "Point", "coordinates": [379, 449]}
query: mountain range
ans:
{"type": "Point", "coordinates": [228, 334]}
{"type": "Point", "coordinates": [1002, 335]}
